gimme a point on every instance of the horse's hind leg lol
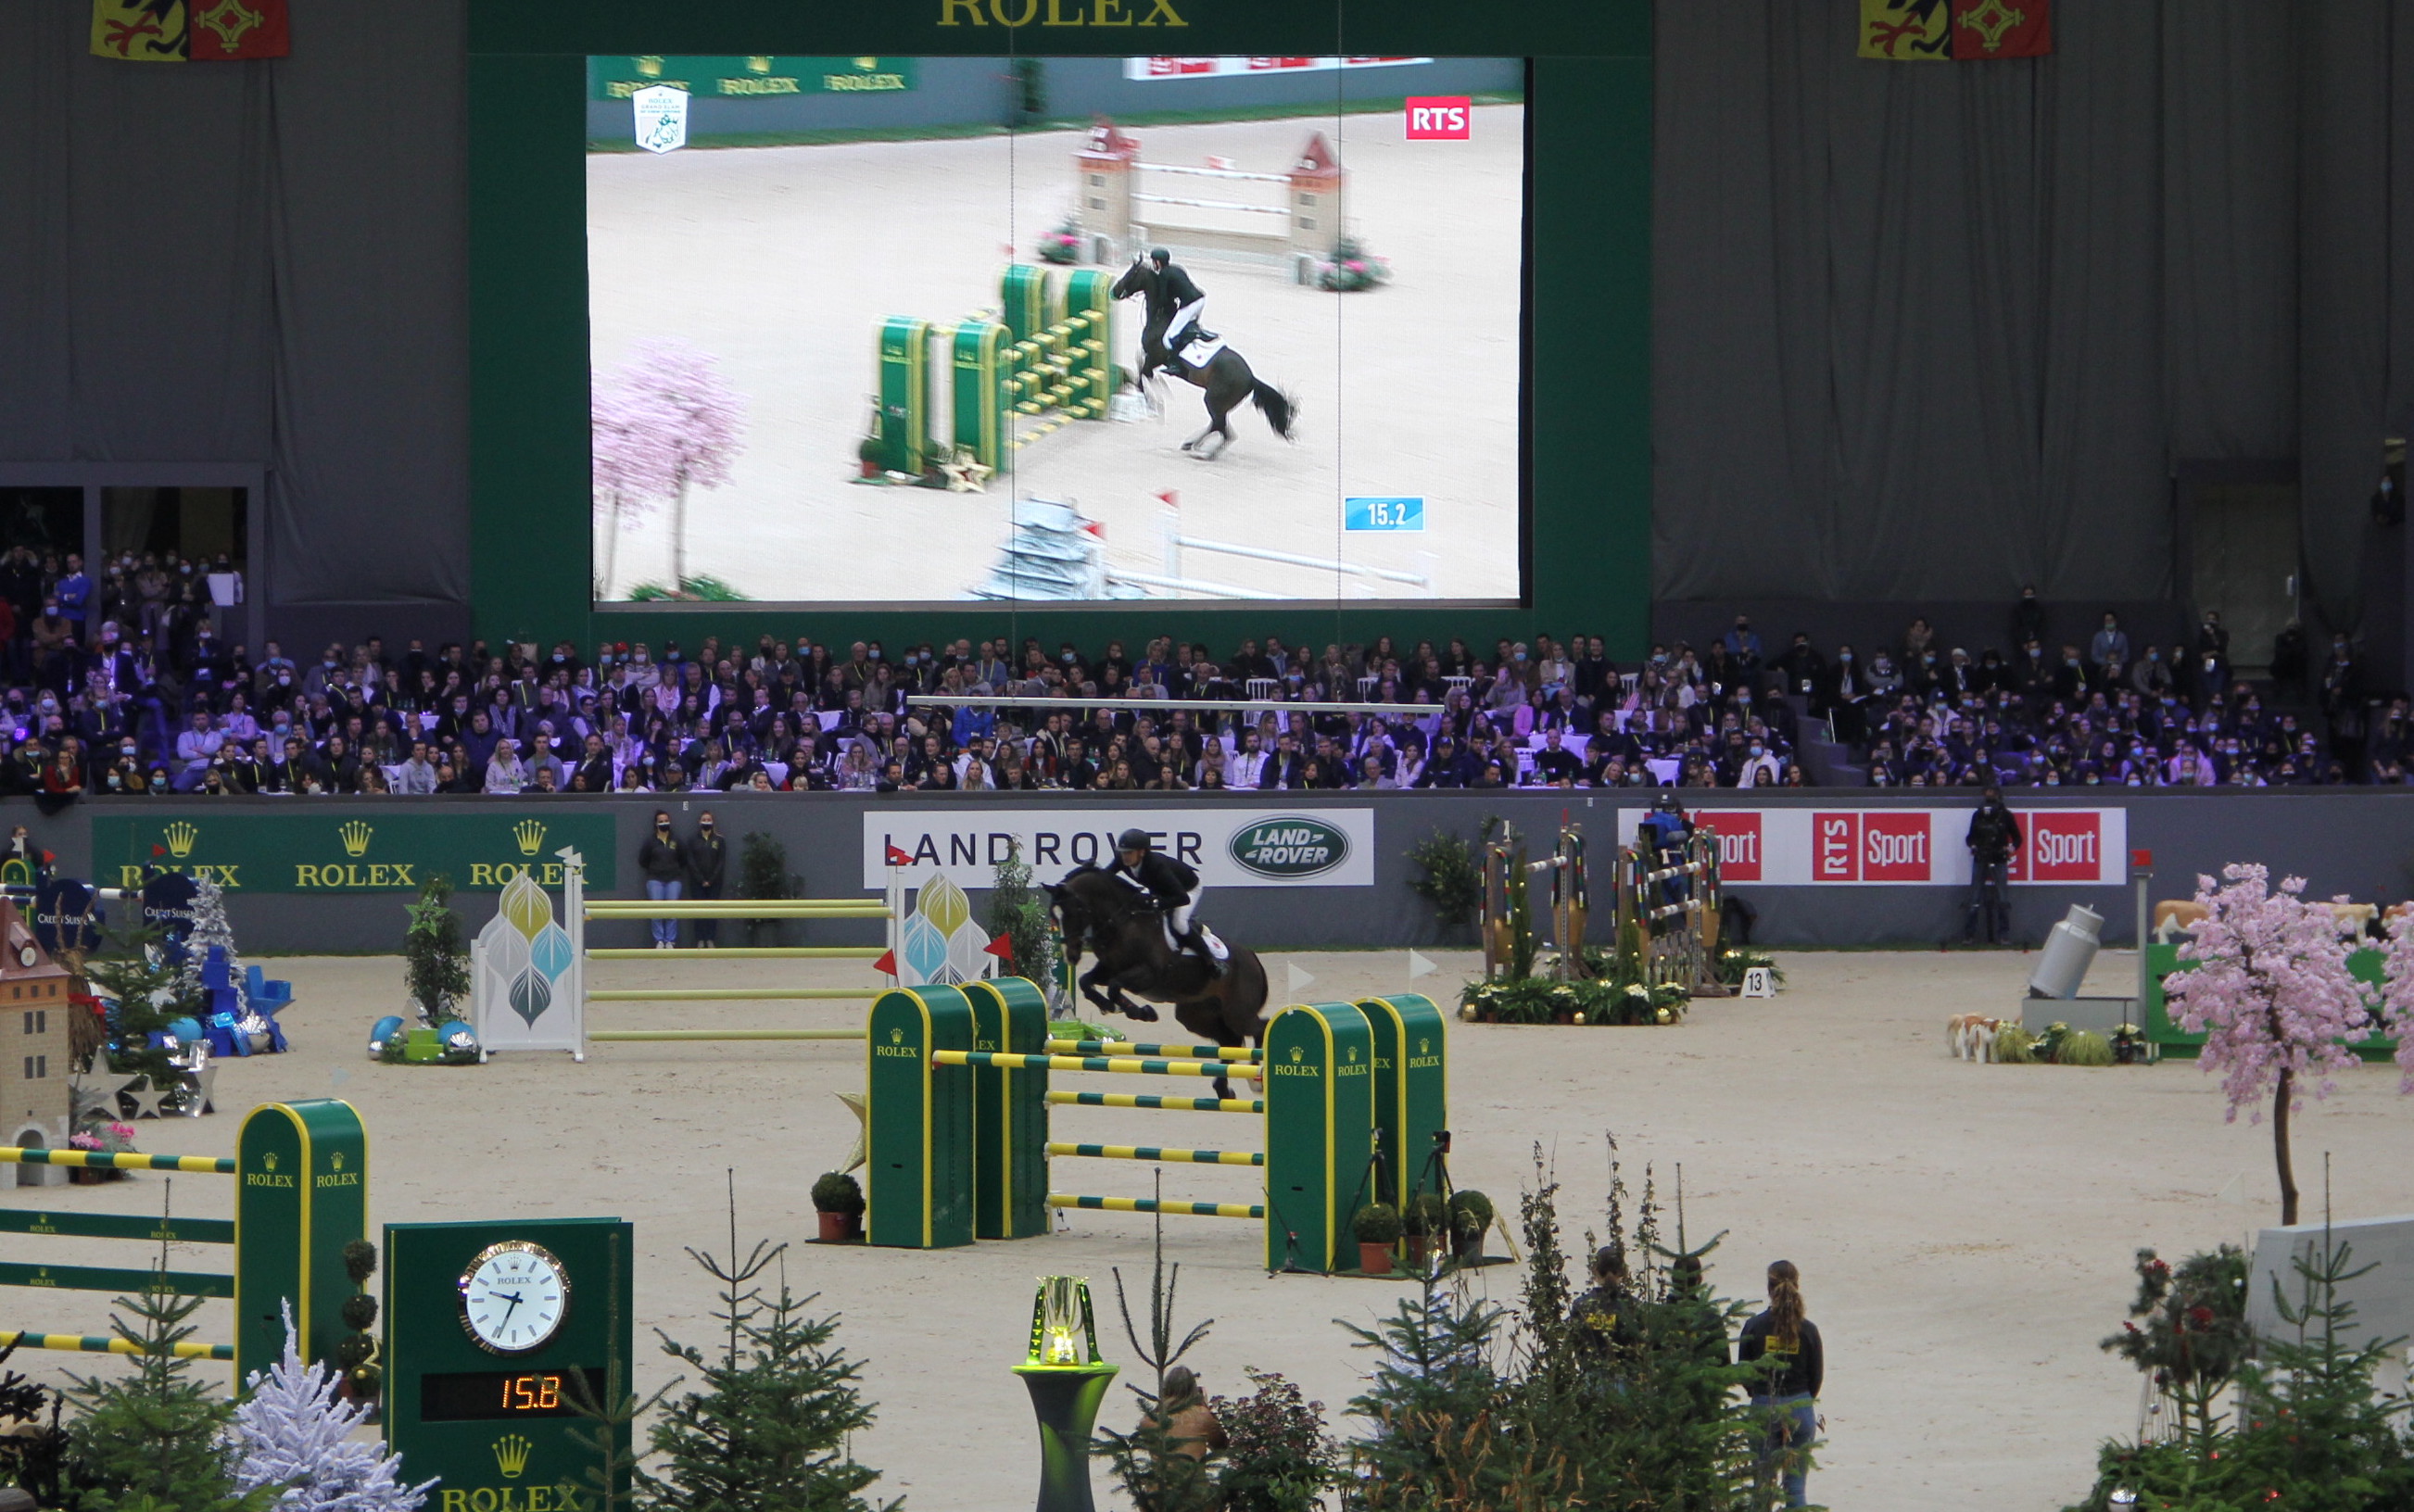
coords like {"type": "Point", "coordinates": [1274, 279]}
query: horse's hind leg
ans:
{"type": "Point", "coordinates": [1209, 444]}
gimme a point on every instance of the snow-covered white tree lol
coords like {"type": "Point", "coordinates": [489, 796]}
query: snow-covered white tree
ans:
{"type": "Point", "coordinates": [291, 1432]}
{"type": "Point", "coordinates": [211, 928]}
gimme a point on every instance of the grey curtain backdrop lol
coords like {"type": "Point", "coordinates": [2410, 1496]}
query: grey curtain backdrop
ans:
{"type": "Point", "coordinates": [260, 262]}
{"type": "Point", "coordinates": [1932, 330]}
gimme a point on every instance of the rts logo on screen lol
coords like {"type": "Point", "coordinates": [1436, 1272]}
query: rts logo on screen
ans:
{"type": "Point", "coordinates": [1437, 117]}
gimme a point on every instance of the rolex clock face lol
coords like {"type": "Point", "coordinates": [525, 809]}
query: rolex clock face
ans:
{"type": "Point", "coordinates": [26, 957]}
{"type": "Point", "coordinates": [514, 1297]}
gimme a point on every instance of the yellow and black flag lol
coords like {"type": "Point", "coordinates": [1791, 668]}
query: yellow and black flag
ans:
{"type": "Point", "coordinates": [139, 31]}
{"type": "Point", "coordinates": [1907, 31]}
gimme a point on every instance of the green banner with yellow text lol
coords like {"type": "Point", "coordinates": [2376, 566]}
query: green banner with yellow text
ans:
{"type": "Point", "coordinates": [351, 850]}
{"type": "Point", "coordinates": [762, 77]}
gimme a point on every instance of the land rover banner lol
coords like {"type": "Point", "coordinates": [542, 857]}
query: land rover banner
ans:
{"type": "Point", "coordinates": [1231, 846]}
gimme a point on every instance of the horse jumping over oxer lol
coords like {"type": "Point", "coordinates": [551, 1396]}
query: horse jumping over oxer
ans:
{"type": "Point", "coordinates": [1137, 955]}
{"type": "Point", "coordinates": [1225, 377]}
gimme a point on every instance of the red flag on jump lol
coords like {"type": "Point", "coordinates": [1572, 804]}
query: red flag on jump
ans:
{"type": "Point", "coordinates": [1002, 948]}
{"type": "Point", "coordinates": [899, 858]}
{"type": "Point", "coordinates": [887, 964]}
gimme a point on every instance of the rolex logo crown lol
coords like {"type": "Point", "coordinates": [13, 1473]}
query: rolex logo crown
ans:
{"type": "Point", "coordinates": [180, 836]}
{"type": "Point", "coordinates": [336, 1159]}
{"type": "Point", "coordinates": [355, 836]}
{"type": "Point", "coordinates": [529, 836]}
{"type": "Point", "coordinates": [268, 1162]}
{"type": "Point", "coordinates": [1295, 1052]}
{"type": "Point", "coordinates": [511, 1455]}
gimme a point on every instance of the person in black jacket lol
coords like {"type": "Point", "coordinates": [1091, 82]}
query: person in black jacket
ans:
{"type": "Point", "coordinates": [1788, 1393]}
{"type": "Point", "coordinates": [1173, 887]}
{"type": "Point", "coordinates": [665, 870]}
{"type": "Point", "coordinates": [1994, 835]}
{"type": "Point", "coordinates": [708, 864]}
{"type": "Point", "coordinates": [1604, 1320]}
{"type": "Point", "coordinates": [1175, 290]}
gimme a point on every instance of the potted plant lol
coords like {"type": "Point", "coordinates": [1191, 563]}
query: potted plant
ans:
{"type": "Point", "coordinates": [1425, 1219]}
{"type": "Point", "coordinates": [1471, 1218]}
{"type": "Point", "coordinates": [1377, 1227]}
{"type": "Point", "coordinates": [86, 1176]}
{"type": "Point", "coordinates": [356, 1351]}
{"type": "Point", "coordinates": [107, 1138]}
{"type": "Point", "coordinates": [839, 1200]}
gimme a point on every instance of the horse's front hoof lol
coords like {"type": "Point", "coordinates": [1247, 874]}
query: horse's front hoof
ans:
{"type": "Point", "coordinates": [1140, 1013]}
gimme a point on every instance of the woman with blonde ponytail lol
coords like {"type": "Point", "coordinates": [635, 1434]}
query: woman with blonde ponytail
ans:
{"type": "Point", "coordinates": [1788, 1392]}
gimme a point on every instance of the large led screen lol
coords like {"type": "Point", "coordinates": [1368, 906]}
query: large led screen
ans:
{"type": "Point", "coordinates": [875, 329]}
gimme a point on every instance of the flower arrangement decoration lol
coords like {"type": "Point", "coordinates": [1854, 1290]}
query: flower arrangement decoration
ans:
{"type": "Point", "coordinates": [1540, 1000]}
{"type": "Point", "coordinates": [1351, 268]}
{"type": "Point", "coordinates": [1061, 245]}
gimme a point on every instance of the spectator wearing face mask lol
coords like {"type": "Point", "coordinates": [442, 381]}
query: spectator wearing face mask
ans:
{"type": "Point", "coordinates": [706, 856]}
{"type": "Point", "coordinates": [1759, 769]}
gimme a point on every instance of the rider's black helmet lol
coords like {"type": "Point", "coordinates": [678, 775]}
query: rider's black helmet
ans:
{"type": "Point", "coordinates": [1133, 840]}
{"type": "Point", "coordinates": [1159, 255]}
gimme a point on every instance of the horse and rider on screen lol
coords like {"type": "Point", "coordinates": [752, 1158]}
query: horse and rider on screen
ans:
{"type": "Point", "coordinates": [1172, 341]}
{"type": "Point", "coordinates": [1139, 918]}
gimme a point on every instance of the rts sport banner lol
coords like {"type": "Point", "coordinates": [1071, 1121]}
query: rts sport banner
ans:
{"type": "Point", "coordinates": [1905, 847]}
{"type": "Point", "coordinates": [1231, 846]}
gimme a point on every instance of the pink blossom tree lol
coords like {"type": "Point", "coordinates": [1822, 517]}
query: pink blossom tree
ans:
{"type": "Point", "coordinates": [2397, 995]}
{"type": "Point", "coordinates": [674, 421]}
{"type": "Point", "coordinates": [629, 471]}
{"type": "Point", "coordinates": [2271, 994]}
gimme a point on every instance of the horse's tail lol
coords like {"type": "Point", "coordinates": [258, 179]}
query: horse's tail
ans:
{"type": "Point", "coordinates": [1278, 407]}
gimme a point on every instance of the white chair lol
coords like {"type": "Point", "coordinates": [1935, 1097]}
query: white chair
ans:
{"type": "Point", "coordinates": [1262, 689]}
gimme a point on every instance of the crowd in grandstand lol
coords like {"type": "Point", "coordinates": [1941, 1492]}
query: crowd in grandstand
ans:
{"type": "Point", "coordinates": [121, 685]}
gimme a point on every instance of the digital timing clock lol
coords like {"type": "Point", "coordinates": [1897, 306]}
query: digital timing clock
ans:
{"type": "Point", "coordinates": [504, 1396]}
{"type": "Point", "coordinates": [497, 1331]}
{"type": "Point", "coordinates": [513, 1295]}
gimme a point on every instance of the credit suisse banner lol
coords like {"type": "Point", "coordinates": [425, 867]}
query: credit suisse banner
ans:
{"type": "Point", "coordinates": [1230, 847]}
{"type": "Point", "coordinates": [1905, 847]}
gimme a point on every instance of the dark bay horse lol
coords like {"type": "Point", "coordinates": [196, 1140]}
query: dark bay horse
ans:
{"type": "Point", "coordinates": [1225, 377]}
{"type": "Point", "coordinates": [1114, 921]}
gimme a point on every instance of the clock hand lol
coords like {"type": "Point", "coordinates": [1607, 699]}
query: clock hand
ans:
{"type": "Point", "coordinates": [507, 1311]}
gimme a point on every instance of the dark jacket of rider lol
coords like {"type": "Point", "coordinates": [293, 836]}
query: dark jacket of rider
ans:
{"type": "Point", "coordinates": [1174, 288]}
{"type": "Point", "coordinates": [1168, 881]}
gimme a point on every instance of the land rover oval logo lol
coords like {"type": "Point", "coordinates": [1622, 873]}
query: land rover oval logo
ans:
{"type": "Point", "coordinates": [1290, 846]}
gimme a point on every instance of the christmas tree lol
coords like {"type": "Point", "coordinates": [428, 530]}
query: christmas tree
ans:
{"type": "Point", "coordinates": [211, 929]}
{"type": "Point", "coordinates": [153, 1440]}
{"type": "Point", "coordinates": [770, 1429]}
{"type": "Point", "coordinates": [293, 1435]}
{"type": "Point", "coordinates": [1019, 914]}
{"type": "Point", "coordinates": [435, 964]}
{"type": "Point", "coordinates": [148, 994]}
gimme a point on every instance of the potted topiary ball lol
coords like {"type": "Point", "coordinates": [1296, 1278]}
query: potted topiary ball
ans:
{"type": "Point", "coordinates": [1471, 1218]}
{"type": "Point", "coordinates": [1377, 1227]}
{"type": "Point", "coordinates": [1426, 1221]}
{"type": "Point", "coordinates": [839, 1200]}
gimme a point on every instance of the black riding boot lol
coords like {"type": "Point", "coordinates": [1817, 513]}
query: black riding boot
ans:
{"type": "Point", "coordinates": [1195, 942]}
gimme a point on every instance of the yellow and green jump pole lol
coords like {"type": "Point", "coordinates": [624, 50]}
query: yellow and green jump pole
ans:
{"type": "Point", "coordinates": [300, 1173]}
{"type": "Point", "coordinates": [1318, 1072]}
